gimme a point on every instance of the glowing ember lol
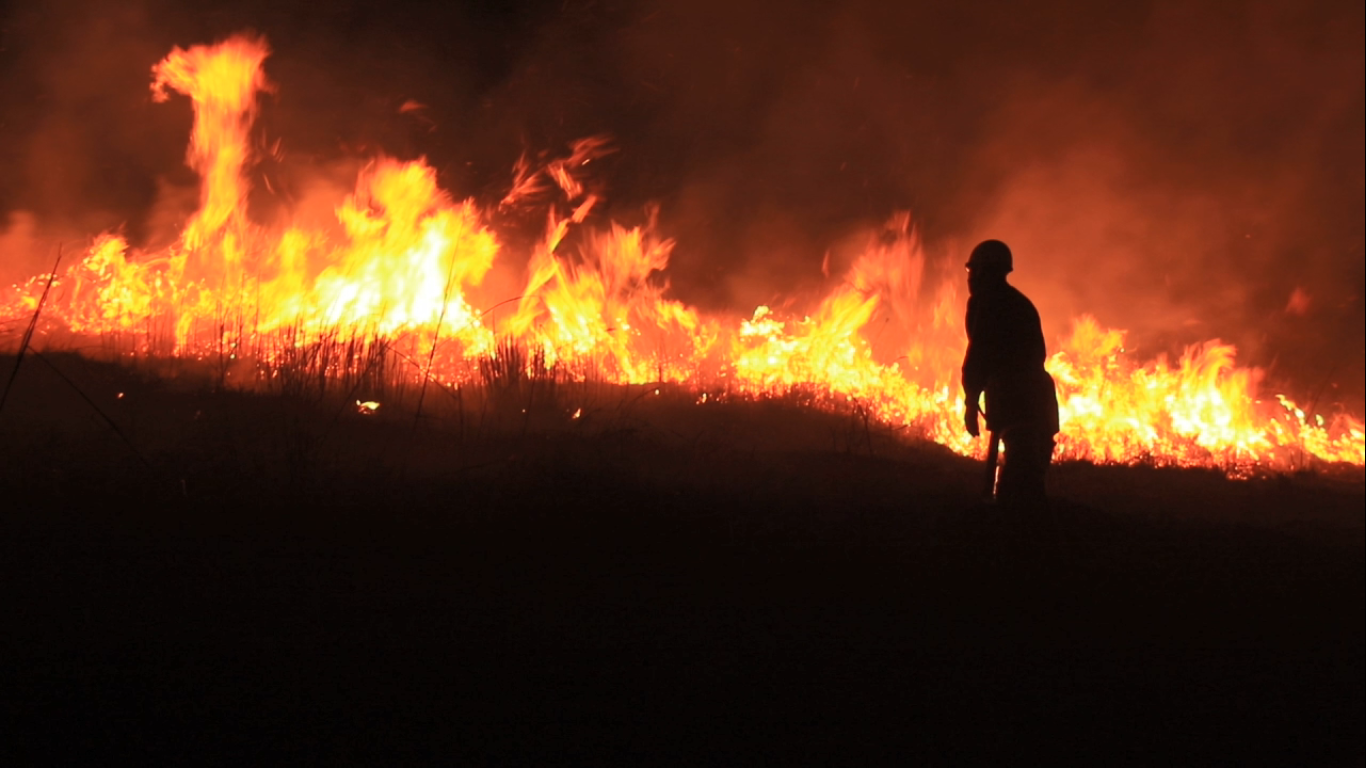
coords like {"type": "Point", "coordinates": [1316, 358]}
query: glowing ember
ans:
{"type": "Point", "coordinates": [401, 274]}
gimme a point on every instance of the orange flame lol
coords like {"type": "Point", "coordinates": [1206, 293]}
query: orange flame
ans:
{"type": "Point", "coordinates": [406, 263]}
{"type": "Point", "coordinates": [222, 81]}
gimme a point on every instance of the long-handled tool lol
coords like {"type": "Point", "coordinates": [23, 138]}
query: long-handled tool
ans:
{"type": "Point", "coordinates": [993, 458]}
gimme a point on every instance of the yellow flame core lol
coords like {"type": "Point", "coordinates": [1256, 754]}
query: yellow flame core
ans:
{"type": "Point", "coordinates": [404, 260]}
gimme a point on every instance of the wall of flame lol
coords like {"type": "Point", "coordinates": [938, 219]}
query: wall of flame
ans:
{"type": "Point", "coordinates": [405, 263]}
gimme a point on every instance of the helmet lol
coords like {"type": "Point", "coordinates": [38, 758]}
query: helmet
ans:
{"type": "Point", "coordinates": [992, 256]}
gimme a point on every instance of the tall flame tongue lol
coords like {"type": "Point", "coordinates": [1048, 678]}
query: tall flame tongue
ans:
{"type": "Point", "coordinates": [397, 272]}
{"type": "Point", "coordinates": [222, 81]}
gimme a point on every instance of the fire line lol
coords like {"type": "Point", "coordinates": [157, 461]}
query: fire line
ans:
{"type": "Point", "coordinates": [402, 272]}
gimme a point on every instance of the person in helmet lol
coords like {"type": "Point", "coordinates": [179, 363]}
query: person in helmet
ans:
{"type": "Point", "coordinates": [1005, 362]}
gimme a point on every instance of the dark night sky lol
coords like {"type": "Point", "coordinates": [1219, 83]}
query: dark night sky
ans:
{"type": "Point", "coordinates": [1178, 168]}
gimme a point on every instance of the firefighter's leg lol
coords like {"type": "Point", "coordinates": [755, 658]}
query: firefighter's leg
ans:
{"type": "Point", "coordinates": [1027, 454]}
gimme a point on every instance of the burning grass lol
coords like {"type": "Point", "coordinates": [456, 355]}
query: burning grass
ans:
{"type": "Point", "coordinates": [79, 427]}
{"type": "Point", "coordinates": [382, 309]}
{"type": "Point", "coordinates": [301, 476]}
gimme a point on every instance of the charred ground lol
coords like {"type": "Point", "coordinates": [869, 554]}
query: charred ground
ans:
{"type": "Point", "coordinates": [194, 573]}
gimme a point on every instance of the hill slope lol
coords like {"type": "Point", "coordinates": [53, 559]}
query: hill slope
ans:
{"type": "Point", "coordinates": [224, 577]}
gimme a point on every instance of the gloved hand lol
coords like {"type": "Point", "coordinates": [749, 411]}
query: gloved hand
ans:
{"type": "Point", "coordinates": [970, 414]}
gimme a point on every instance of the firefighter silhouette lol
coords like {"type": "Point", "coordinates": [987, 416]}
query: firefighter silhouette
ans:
{"type": "Point", "coordinates": [1005, 363]}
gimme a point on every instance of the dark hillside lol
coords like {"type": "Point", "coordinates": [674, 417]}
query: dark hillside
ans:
{"type": "Point", "coordinates": [220, 578]}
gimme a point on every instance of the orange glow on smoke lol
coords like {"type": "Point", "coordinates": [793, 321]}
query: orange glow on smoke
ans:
{"type": "Point", "coordinates": [403, 267]}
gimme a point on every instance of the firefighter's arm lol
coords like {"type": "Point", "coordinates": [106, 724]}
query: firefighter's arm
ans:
{"type": "Point", "coordinates": [974, 372]}
{"type": "Point", "coordinates": [973, 384]}
{"type": "Point", "coordinates": [970, 419]}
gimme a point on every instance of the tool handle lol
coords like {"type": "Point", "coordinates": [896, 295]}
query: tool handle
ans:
{"type": "Point", "coordinates": [993, 458]}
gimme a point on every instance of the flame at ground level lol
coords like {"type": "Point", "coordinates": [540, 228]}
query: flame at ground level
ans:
{"type": "Point", "coordinates": [401, 274]}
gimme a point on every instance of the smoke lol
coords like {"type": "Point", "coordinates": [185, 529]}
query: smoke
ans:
{"type": "Point", "coordinates": [1183, 170]}
{"type": "Point", "coordinates": [1209, 187]}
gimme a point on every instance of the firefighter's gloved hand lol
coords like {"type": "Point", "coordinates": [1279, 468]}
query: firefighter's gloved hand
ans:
{"type": "Point", "coordinates": [970, 414]}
